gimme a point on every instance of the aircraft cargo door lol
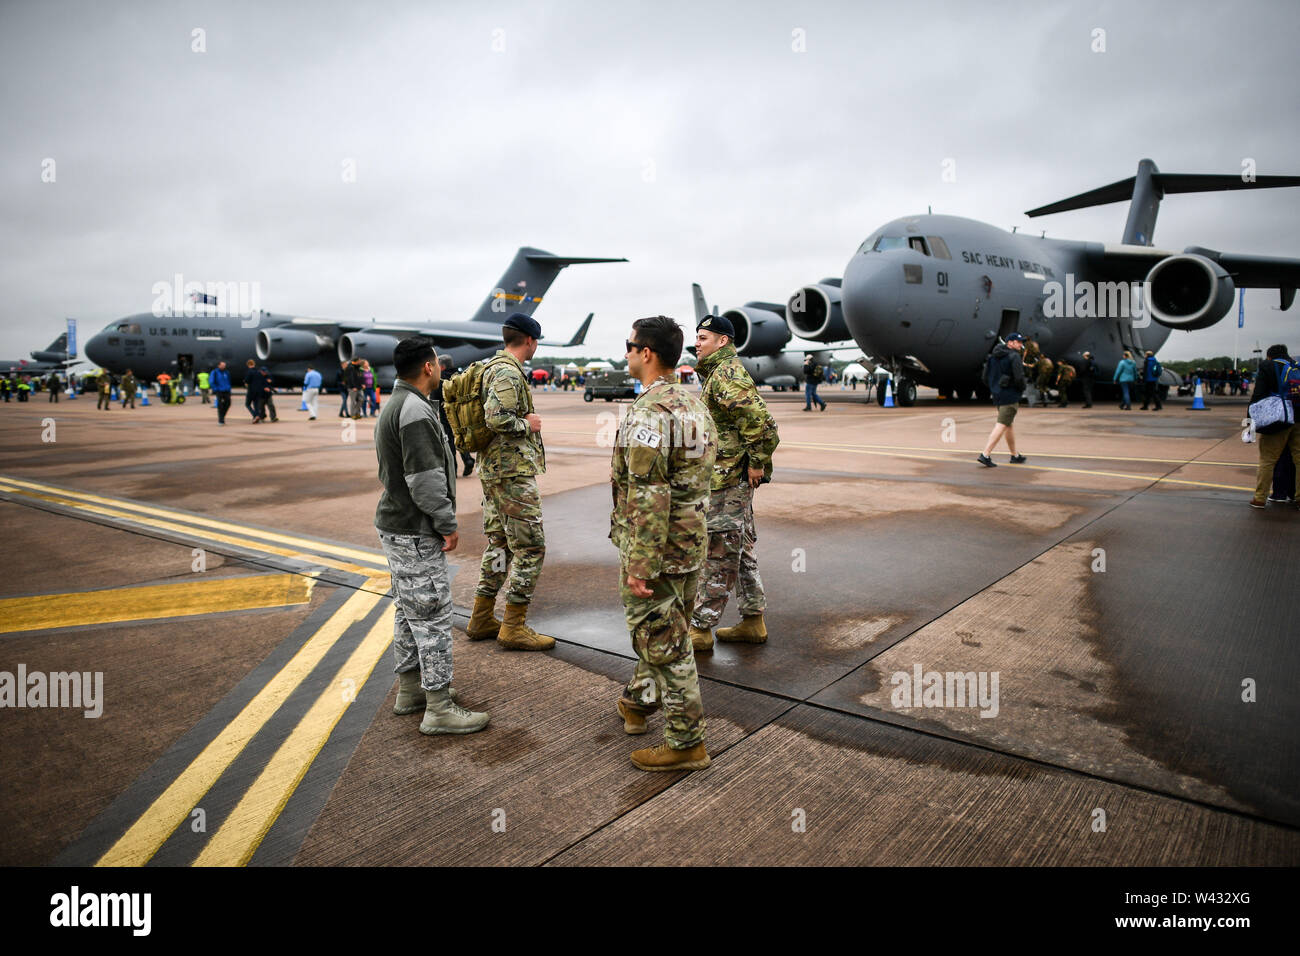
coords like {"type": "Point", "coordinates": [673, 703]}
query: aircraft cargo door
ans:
{"type": "Point", "coordinates": [1010, 323]}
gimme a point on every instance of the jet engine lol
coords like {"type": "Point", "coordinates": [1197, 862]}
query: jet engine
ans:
{"type": "Point", "coordinates": [290, 345]}
{"type": "Point", "coordinates": [377, 349]}
{"type": "Point", "coordinates": [815, 312]}
{"type": "Point", "coordinates": [42, 355]}
{"type": "Point", "coordinates": [1189, 292]}
{"type": "Point", "coordinates": [760, 328]}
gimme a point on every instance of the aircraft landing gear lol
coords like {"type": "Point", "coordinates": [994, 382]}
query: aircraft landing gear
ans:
{"type": "Point", "coordinates": [904, 393]}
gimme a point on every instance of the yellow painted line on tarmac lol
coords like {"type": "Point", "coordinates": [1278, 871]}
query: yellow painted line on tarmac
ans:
{"type": "Point", "coordinates": [242, 832]}
{"type": "Point", "coordinates": [139, 843]}
{"type": "Point", "coordinates": [240, 541]}
{"type": "Point", "coordinates": [306, 544]}
{"type": "Point", "coordinates": [181, 599]}
{"type": "Point", "coordinates": [1076, 471]}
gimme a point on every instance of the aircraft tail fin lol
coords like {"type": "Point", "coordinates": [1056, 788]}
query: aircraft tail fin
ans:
{"type": "Point", "coordinates": [701, 304]}
{"type": "Point", "coordinates": [521, 287]}
{"type": "Point", "coordinates": [1148, 187]}
{"type": "Point", "coordinates": [56, 351]}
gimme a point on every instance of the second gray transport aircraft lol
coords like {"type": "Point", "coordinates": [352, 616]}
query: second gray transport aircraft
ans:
{"type": "Point", "coordinates": [182, 345]}
{"type": "Point", "coordinates": [930, 296]}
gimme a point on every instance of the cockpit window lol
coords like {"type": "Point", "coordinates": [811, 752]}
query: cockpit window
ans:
{"type": "Point", "coordinates": [130, 328]}
{"type": "Point", "coordinates": [885, 243]}
{"type": "Point", "coordinates": [939, 247]}
{"type": "Point", "coordinates": [917, 243]}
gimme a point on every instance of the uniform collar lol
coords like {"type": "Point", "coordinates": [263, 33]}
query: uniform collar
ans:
{"type": "Point", "coordinates": [706, 365]}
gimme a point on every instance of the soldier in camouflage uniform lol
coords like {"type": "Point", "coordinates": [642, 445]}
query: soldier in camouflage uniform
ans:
{"type": "Point", "coordinates": [129, 386]}
{"type": "Point", "coordinates": [512, 505]}
{"type": "Point", "coordinates": [747, 438]}
{"type": "Point", "coordinates": [1042, 379]}
{"type": "Point", "coordinates": [1064, 379]}
{"type": "Point", "coordinates": [662, 466]}
{"type": "Point", "coordinates": [416, 521]}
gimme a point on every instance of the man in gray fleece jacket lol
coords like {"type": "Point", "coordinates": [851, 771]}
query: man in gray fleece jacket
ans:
{"type": "Point", "coordinates": [416, 521]}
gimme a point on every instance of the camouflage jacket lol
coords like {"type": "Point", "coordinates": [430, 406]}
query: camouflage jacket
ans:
{"type": "Point", "coordinates": [1043, 370]}
{"type": "Point", "coordinates": [660, 475]}
{"type": "Point", "coordinates": [506, 400]}
{"type": "Point", "coordinates": [746, 431]}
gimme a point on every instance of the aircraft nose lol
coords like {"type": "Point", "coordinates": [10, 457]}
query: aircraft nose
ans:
{"type": "Point", "coordinates": [95, 349]}
{"type": "Point", "coordinates": [870, 300]}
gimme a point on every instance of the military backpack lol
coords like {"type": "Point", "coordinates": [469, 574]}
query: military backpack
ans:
{"type": "Point", "coordinates": [462, 399]}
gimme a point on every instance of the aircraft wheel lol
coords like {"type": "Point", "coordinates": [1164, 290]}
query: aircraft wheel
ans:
{"type": "Point", "coordinates": [907, 393]}
{"type": "Point", "coordinates": [587, 396]}
{"type": "Point", "coordinates": [880, 394]}
{"type": "Point", "coordinates": [962, 394]}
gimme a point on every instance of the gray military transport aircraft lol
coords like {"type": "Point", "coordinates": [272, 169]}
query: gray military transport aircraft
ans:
{"type": "Point", "coordinates": [930, 296]}
{"type": "Point", "coordinates": [182, 345]}
{"type": "Point", "coordinates": [52, 358]}
{"type": "Point", "coordinates": [761, 334]}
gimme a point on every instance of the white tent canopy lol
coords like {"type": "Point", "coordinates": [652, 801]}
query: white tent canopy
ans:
{"type": "Point", "coordinates": [854, 370]}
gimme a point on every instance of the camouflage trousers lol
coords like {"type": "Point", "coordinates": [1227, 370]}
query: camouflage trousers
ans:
{"type": "Point", "coordinates": [516, 543]}
{"type": "Point", "coordinates": [730, 564]}
{"type": "Point", "coordinates": [665, 673]}
{"type": "Point", "coordinates": [421, 606]}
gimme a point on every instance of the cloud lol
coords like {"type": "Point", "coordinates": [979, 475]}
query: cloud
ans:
{"type": "Point", "coordinates": [695, 141]}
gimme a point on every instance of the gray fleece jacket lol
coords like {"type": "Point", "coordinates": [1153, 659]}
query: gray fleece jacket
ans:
{"type": "Point", "coordinates": [416, 467]}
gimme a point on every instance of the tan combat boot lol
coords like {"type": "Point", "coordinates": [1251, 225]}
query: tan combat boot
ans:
{"type": "Point", "coordinates": [633, 720]}
{"type": "Point", "coordinates": [750, 630]}
{"type": "Point", "coordinates": [664, 757]}
{"type": "Point", "coordinates": [442, 715]}
{"type": "Point", "coordinates": [483, 622]}
{"type": "Point", "coordinates": [410, 696]}
{"type": "Point", "coordinates": [701, 638]}
{"type": "Point", "coordinates": [518, 636]}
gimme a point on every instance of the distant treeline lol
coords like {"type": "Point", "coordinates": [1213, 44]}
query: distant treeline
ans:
{"type": "Point", "coordinates": [1218, 361]}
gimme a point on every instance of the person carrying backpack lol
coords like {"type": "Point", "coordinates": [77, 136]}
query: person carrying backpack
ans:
{"type": "Point", "coordinates": [1278, 375]}
{"type": "Point", "coordinates": [1151, 381]}
{"type": "Point", "coordinates": [490, 408]}
{"type": "Point", "coordinates": [812, 375]}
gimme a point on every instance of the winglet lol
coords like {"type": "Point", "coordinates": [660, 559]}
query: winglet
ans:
{"type": "Point", "coordinates": [579, 336]}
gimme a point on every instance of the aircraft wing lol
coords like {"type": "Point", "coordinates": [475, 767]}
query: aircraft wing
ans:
{"type": "Point", "coordinates": [490, 335]}
{"type": "Point", "coordinates": [459, 335]}
{"type": "Point", "coordinates": [1255, 272]}
{"type": "Point", "coordinates": [1131, 263]}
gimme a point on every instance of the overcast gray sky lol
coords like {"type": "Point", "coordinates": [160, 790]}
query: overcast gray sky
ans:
{"type": "Point", "coordinates": [694, 139]}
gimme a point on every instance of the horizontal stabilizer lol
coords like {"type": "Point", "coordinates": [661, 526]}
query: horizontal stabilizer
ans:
{"type": "Point", "coordinates": [562, 261]}
{"type": "Point", "coordinates": [1165, 183]}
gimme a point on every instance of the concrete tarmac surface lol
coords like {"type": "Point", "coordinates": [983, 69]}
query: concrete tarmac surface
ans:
{"type": "Point", "coordinates": [1086, 659]}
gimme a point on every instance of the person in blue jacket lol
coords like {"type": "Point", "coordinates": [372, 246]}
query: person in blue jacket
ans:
{"type": "Point", "coordinates": [1126, 375]}
{"type": "Point", "coordinates": [1151, 381]}
{"type": "Point", "coordinates": [220, 383]}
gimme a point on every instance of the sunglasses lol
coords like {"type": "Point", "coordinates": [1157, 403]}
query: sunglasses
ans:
{"type": "Point", "coordinates": [633, 347]}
